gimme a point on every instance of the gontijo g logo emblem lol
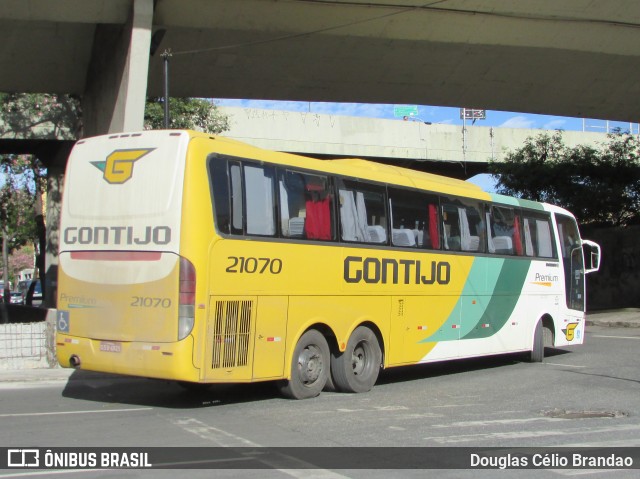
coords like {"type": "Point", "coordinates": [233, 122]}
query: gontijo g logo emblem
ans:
{"type": "Point", "coordinates": [570, 332]}
{"type": "Point", "coordinates": [118, 168]}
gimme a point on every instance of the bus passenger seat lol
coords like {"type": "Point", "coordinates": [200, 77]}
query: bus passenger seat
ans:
{"type": "Point", "coordinates": [403, 237]}
{"type": "Point", "coordinates": [503, 244]}
{"type": "Point", "coordinates": [296, 227]}
{"type": "Point", "coordinates": [377, 234]}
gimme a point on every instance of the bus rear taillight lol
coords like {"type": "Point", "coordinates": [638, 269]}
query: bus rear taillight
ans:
{"type": "Point", "coordinates": [186, 309]}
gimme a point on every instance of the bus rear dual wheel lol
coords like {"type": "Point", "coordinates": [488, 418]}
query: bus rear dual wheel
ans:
{"type": "Point", "coordinates": [356, 369]}
{"type": "Point", "coordinates": [313, 367]}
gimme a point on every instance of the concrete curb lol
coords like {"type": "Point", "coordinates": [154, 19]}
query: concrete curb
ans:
{"type": "Point", "coordinates": [35, 375]}
{"type": "Point", "coordinates": [620, 318]}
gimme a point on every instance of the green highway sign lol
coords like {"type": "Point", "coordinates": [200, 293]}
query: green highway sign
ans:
{"type": "Point", "coordinates": [400, 111]}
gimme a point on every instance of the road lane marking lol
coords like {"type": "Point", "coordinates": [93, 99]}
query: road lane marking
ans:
{"type": "Point", "coordinates": [615, 337]}
{"type": "Point", "coordinates": [497, 422]}
{"type": "Point", "coordinates": [62, 413]}
{"type": "Point", "coordinates": [13, 385]}
{"type": "Point", "coordinates": [298, 468]}
{"type": "Point", "coordinates": [209, 433]}
{"type": "Point", "coordinates": [510, 435]}
{"type": "Point", "coordinates": [564, 365]}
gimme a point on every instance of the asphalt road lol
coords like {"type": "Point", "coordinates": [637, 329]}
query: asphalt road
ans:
{"type": "Point", "coordinates": [587, 396]}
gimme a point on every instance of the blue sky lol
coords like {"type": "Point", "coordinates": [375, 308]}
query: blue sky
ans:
{"type": "Point", "coordinates": [433, 114]}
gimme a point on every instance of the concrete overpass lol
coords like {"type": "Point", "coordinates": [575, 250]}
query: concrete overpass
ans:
{"type": "Point", "coordinates": [437, 148]}
{"type": "Point", "coordinates": [573, 58]}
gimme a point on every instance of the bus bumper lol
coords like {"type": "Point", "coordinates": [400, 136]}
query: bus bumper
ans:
{"type": "Point", "coordinates": [172, 361]}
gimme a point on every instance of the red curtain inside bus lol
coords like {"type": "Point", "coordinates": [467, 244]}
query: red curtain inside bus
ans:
{"type": "Point", "coordinates": [318, 222]}
{"type": "Point", "coordinates": [433, 227]}
{"type": "Point", "coordinates": [517, 236]}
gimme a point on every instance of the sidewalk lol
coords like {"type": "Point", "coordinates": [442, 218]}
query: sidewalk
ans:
{"type": "Point", "coordinates": [35, 375]}
{"type": "Point", "coordinates": [619, 318]}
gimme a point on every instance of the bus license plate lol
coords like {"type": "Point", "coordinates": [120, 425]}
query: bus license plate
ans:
{"type": "Point", "coordinates": [110, 347]}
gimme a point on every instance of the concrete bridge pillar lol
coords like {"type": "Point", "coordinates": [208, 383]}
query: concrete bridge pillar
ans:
{"type": "Point", "coordinates": [56, 160]}
{"type": "Point", "coordinates": [116, 85]}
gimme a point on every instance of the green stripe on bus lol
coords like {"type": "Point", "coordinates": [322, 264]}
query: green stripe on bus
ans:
{"type": "Point", "coordinates": [519, 202]}
{"type": "Point", "coordinates": [487, 301]}
{"type": "Point", "coordinates": [502, 302]}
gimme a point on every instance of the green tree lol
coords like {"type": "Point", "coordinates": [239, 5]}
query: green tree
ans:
{"type": "Point", "coordinates": [600, 185]}
{"type": "Point", "coordinates": [185, 113]}
{"type": "Point", "coordinates": [20, 214]}
{"type": "Point", "coordinates": [28, 116]}
{"type": "Point", "coordinates": [17, 208]}
{"type": "Point", "coordinates": [528, 172]}
{"type": "Point", "coordinates": [41, 115]}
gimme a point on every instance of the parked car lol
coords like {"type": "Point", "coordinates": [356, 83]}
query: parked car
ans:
{"type": "Point", "coordinates": [37, 291]}
{"type": "Point", "coordinates": [34, 288]}
{"type": "Point", "coordinates": [16, 298]}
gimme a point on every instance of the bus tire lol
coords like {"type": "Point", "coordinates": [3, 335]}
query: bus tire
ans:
{"type": "Point", "coordinates": [537, 351]}
{"type": "Point", "coordinates": [309, 367]}
{"type": "Point", "coordinates": [356, 369]}
{"type": "Point", "coordinates": [547, 334]}
{"type": "Point", "coordinates": [331, 385]}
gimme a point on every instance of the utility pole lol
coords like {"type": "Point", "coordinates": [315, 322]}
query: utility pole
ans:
{"type": "Point", "coordinates": [165, 57]}
{"type": "Point", "coordinates": [5, 265]}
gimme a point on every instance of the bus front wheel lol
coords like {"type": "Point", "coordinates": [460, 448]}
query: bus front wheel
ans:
{"type": "Point", "coordinates": [537, 352]}
{"type": "Point", "coordinates": [309, 367]}
{"type": "Point", "coordinates": [356, 369]}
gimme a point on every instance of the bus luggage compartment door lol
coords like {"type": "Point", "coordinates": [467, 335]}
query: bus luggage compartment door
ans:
{"type": "Point", "coordinates": [242, 345]}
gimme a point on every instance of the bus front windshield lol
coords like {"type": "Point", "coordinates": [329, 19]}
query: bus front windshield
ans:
{"type": "Point", "coordinates": [573, 262]}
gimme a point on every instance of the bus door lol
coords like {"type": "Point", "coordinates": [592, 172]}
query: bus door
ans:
{"type": "Point", "coordinates": [572, 262]}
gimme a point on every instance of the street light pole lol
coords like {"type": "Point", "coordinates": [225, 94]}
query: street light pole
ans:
{"type": "Point", "coordinates": [5, 265]}
{"type": "Point", "coordinates": [165, 57]}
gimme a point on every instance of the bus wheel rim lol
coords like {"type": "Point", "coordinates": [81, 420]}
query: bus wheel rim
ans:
{"type": "Point", "coordinates": [359, 358]}
{"type": "Point", "coordinates": [310, 364]}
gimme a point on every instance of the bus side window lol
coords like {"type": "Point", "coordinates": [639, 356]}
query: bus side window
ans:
{"type": "Point", "coordinates": [414, 217]}
{"type": "Point", "coordinates": [258, 188]}
{"type": "Point", "coordinates": [450, 227]}
{"type": "Point", "coordinates": [306, 206]}
{"type": "Point", "coordinates": [243, 198]}
{"type": "Point", "coordinates": [537, 236]}
{"type": "Point", "coordinates": [472, 226]}
{"type": "Point", "coordinates": [237, 201]}
{"type": "Point", "coordinates": [363, 216]}
{"type": "Point", "coordinates": [219, 180]}
{"type": "Point", "coordinates": [505, 231]}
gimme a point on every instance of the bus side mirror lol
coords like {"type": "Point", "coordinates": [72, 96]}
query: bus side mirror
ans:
{"type": "Point", "coordinates": [591, 252]}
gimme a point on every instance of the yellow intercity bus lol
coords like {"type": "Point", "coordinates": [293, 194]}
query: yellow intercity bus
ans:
{"type": "Point", "coordinates": [199, 259]}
